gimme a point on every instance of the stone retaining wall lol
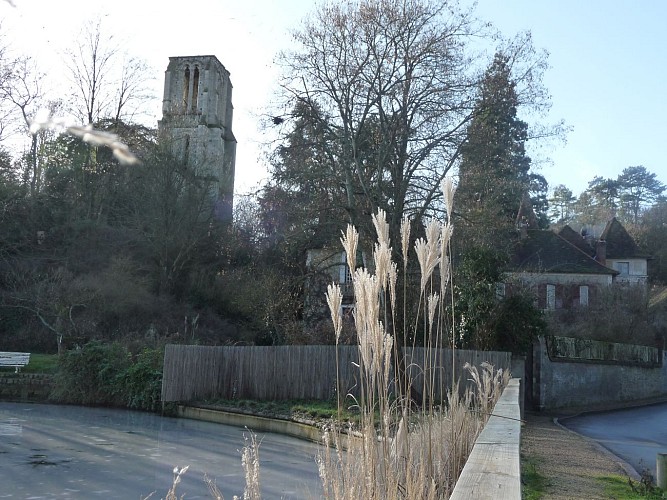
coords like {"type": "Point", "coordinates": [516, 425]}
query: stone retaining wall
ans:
{"type": "Point", "coordinates": [25, 386]}
{"type": "Point", "coordinates": [569, 373]}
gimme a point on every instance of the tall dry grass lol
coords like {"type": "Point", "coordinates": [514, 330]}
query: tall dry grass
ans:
{"type": "Point", "coordinates": [403, 450]}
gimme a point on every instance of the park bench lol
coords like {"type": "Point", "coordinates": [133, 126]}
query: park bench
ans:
{"type": "Point", "coordinates": [15, 360]}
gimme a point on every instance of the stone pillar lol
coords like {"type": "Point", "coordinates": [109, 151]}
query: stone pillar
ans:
{"type": "Point", "coordinates": [166, 102]}
{"type": "Point", "coordinates": [661, 470]}
{"type": "Point", "coordinates": [205, 84]}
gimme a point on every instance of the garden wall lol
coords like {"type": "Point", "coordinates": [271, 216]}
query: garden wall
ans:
{"type": "Point", "coordinates": [25, 386]}
{"type": "Point", "coordinates": [575, 372]}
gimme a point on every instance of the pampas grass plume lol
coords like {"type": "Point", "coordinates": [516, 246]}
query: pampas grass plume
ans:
{"type": "Point", "coordinates": [350, 241]}
{"type": "Point", "coordinates": [335, 301]}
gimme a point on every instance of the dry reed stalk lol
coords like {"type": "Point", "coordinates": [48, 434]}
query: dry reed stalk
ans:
{"type": "Point", "coordinates": [407, 453]}
{"type": "Point", "coordinates": [178, 473]}
{"type": "Point", "coordinates": [335, 302]}
{"type": "Point", "coordinates": [215, 493]}
{"type": "Point", "coordinates": [250, 462]}
{"type": "Point", "coordinates": [350, 242]}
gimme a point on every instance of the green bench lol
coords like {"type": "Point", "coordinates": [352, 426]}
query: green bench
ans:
{"type": "Point", "coordinates": [15, 360]}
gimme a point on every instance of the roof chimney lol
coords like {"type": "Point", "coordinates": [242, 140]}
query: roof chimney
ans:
{"type": "Point", "coordinates": [601, 252]}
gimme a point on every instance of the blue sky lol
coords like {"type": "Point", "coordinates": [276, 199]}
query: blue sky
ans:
{"type": "Point", "coordinates": [608, 63]}
{"type": "Point", "coordinates": [607, 80]}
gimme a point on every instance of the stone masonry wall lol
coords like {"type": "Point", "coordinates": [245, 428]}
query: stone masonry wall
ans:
{"type": "Point", "coordinates": [560, 381]}
{"type": "Point", "coordinates": [25, 386]}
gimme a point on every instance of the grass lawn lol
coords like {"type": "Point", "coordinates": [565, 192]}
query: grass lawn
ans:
{"type": "Point", "coordinates": [317, 410]}
{"type": "Point", "coordinates": [533, 483]}
{"type": "Point", "coordinates": [39, 363]}
{"type": "Point", "coordinates": [623, 488]}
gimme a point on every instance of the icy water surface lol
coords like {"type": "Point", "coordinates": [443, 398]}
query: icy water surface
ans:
{"type": "Point", "coordinates": [54, 452]}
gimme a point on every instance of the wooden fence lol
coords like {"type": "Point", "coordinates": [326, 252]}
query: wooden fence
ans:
{"type": "Point", "coordinates": [195, 373]}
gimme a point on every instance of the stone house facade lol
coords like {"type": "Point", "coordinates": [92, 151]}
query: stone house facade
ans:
{"type": "Point", "coordinates": [565, 270]}
{"type": "Point", "coordinates": [614, 248]}
{"type": "Point", "coordinates": [560, 275]}
{"type": "Point", "coordinates": [623, 255]}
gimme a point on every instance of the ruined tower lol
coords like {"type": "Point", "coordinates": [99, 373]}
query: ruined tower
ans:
{"type": "Point", "coordinates": [197, 122]}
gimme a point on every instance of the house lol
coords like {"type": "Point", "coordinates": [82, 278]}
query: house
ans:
{"type": "Point", "coordinates": [326, 266]}
{"type": "Point", "coordinates": [559, 273]}
{"type": "Point", "coordinates": [614, 248]}
{"type": "Point", "coordinates": [565, 269]}
{"type": "Point", "coordinates": [623, 255]}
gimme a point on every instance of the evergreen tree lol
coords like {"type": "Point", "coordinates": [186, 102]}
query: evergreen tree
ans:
{"type": "Point", "coordinates": [562, 204]}
{"type": "Point", "coordinates": [603, 194]}
{"type": "Point", "coordinates": [638, 188]}
{"type": "Point", "coordinates": [494, 170]}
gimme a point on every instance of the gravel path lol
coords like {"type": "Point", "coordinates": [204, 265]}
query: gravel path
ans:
{"type": "Point", "coordinates": [570, 462]}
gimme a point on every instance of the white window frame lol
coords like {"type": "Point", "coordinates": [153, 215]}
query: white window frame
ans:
{"type": "Point", "coordinates": [345, 279]}
{"type": "Point", "coordinates": [551, 297]}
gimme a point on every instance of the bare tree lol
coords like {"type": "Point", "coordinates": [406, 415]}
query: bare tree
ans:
{"type": "Point", "coordinates": [5, 75]}
{"type": "Point", "coordinates": [109, 84]}
{"type": "Point", "coordinates": [90, 63]}
{"type": "Point", "coordinates": [391, 88]}
{"type": "Point", "coordinates": [23, 89]}
{"type": "Point", "coordinates": [385, 90]}
{"type": "Point", "coordinates": [46, 294]}
{"type": "Point", "coordinates": [131, 92]}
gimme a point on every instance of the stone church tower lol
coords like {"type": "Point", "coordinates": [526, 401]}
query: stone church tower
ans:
{"type": "Point", "coordinates": [197, 121]}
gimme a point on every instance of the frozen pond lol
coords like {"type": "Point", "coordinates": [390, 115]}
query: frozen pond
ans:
{"type": "Point", "coordinates": [636, 435]}
{"type": "Point", "coordinates": [53, 452]}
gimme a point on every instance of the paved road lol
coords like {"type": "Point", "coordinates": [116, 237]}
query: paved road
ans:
{"type": "Point", "coordinates": [54, 452]}
{"type": "Point", "coordinates": [636, 435]}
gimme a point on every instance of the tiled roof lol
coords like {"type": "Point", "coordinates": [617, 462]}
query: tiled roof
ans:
{"type": "Point", "coordinates": [576, 239]}
{"type": "Point", "coordinates": [620, 244]}
{"type": "Point", "coordinates": [543, 251]}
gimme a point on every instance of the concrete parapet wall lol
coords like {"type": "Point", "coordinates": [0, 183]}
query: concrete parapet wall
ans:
{"type": "Point", "coordinates": [493, 470]}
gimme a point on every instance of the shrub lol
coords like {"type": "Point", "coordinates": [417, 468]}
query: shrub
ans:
{"type": "Point", "coordinates": [108, 375]}
{"type": "Point", "coordinates": [517, 323]}
{"type": "Point", "coordinates": [620, 313]}
{"type": "Point", "coordinates": [140, 385]}
{"type": "Point", "coordinates": [88, 375]}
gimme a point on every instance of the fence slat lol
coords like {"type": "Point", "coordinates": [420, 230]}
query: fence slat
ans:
{"type": "Point", "coordinates": [299, 372]}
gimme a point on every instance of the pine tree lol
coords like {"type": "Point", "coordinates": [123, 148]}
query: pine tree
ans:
{"type": "Point", "coordinates": [494, 169]}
